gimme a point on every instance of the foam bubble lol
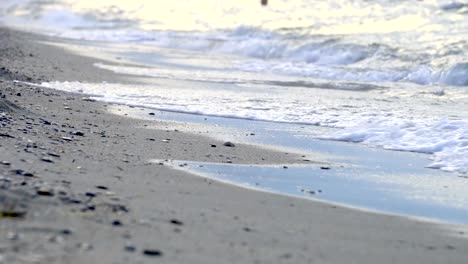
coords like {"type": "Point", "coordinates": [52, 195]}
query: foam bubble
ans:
{"type": "Point", "coordinates": [446, 139]}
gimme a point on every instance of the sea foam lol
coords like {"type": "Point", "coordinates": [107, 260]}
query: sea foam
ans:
{"type": "Point", "coordinates": [373, 118]}
{"type": "Point", "coordinates": [446, 139]}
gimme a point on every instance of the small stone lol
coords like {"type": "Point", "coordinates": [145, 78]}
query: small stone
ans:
{"type": "Point", "coordinates": [213, 145]}
{"type": "Point", "coordinates": [18, 172]}
{"type": "Point", "coordinates": [102, 187]}
{"type": "Point", "coordinates": [151, 114]}
{"type": "Point", "coordinates": [247, 229]}
{"type": "Point", "coordinates": [67, 138]}
{"type": "Point", "coordinates": [6, 163]}
{"type": "Point", "coordinates": [176, 222]}
{"type": "Point", "coordinates": [152, 252]}
{"type": "Point", "coordinates": [69, 200]}
{"type": "Point", "coordinates": [90, 194]}
{"type": "Point", "coordinates": [12, 214]}
{"type": "Point", "coordinates": [45, 192]}
{"type": "Point", "coordinates": [6, 135]}
{"type": "Point", "coordinates": [285, 167]}
{"type": "Point", "coordinates": [324, 168]}
{"type": "Point", "coordinates": [28, 174]}
{"type": "Point", "coordinates": [229, 144]}
{"type": "Point", "coordinates": [53, 154]}
{"type": "Point", "coordinates": [117, 223]}
{"type": "Point", "coordinates": [77, 133]}
{"type": "Point", "coordinates": [46, 159]}
{"type": "Point", "coordinates": [130, 248]}
{"type": "Point", "coordinates": [66, 232]}
{"type": "Point", "coordinates": [307, 191]}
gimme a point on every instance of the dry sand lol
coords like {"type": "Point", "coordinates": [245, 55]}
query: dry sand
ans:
{"type": "Point", "coordinates": [76, 187]}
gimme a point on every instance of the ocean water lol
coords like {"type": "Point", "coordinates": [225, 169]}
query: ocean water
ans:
{"type": "Point", "coordinates": [388, 74]}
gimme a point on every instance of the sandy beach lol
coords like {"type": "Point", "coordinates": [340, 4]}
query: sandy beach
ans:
{"type": "Point", "coordinates": [76, 187]}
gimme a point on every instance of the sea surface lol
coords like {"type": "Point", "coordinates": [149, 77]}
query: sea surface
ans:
{"type": "Point", "coordinates": [387, 74]}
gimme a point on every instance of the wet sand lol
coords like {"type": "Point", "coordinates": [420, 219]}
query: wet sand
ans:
{"type": "Point", "coordinates": [76, 186]}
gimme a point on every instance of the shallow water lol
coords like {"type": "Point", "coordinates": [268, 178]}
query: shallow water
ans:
{"type": "Point", "coordinates": [410, 193]}
{"type": "Point", "coordinates": [348, 174]}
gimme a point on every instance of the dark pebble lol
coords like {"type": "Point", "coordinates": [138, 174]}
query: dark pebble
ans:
{"type": "Point", "coordinates": [6, 135]}
{"type": "Point", "coordinates": [66, 232]}
{"type": "Point", "coordinates": [213, 146]}
{"type": "Point", "coordinates": [308, 191]}
{"type": "Point", "coordinates": [176, 222]}
{"type": "Point", "coordinates": [45, 159]}
{"type": "Point", "coordinates": [45, 192]}
{"type": "Point", "coordinates": [69, 200]}
{"type": "Point", "coordinates": [247, 229]}
{"type": "Point", "coordinates": [53, 154]}
{"type": "Point", "coordinates": [90, 194]}
{"type": "Point", "coordinates": [19, 172]}
{"type": "Point", "coordinates": [324, 168]}
{"type": "Point", "coordinates": [6, 163]}
{"type": "Point", "coordinates": [77, 133]}
{"type": "Point", "coordinates": [117, 223]}
{"type": "Point", "coordinates": [152, 252]}
{"type": "Point", "coordinates": [152, 114]}
{"type": "Point", "coordinates": [229, 144]}
{"type": "Point", "coordinates": [12, 214]}
{"type": "Point", "coordinates": [102, 187]}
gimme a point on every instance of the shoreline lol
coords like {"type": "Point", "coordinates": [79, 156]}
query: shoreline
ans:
{"type": "Point", "coordinates": [77, 176]}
